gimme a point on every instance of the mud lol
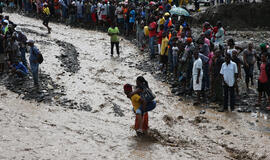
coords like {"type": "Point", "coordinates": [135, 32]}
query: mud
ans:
{"type": "Point", "coordinates": [69, 57]}
{"type": "Point", "coordinates": [248, 16]}
{"type": "Point", "coordinates": [64, 129]}
{"type": "Point", "coordinates": [25, 89]}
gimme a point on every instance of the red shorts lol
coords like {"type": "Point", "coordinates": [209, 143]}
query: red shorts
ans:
{"type": "Point", "coordinates": [94, 17]}
{"type": "Point", "coordinates": [145, 122]}
{"type": "Point", "coordinates": [104, 17]}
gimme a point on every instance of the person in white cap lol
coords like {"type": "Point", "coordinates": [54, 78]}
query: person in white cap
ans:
{"type": "Point", "coordinates": [33, 61]}
{"type": "Point", "coordinates": [5, 26]}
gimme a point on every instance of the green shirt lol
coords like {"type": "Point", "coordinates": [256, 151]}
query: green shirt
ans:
{"type": "Point", "coordinates": [113, 32]}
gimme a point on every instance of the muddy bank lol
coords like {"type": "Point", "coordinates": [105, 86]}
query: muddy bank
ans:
{"type": "Point", "coordinates": [178, 130]}
{"type": "Point", "coordinates": [247, 16]}
{"type": "Point", "coordinates": [69, 57]}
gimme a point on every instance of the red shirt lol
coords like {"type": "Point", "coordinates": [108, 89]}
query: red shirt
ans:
{"type": "Point", "coordinates": [263, 76]}
{"type": "Point", "coordinates": [153, 33]}
{"type": "Point", "coordinates": [160, 36]}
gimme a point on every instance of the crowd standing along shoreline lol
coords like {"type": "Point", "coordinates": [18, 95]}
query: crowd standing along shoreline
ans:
{"type": "Point", "coordinates": [167, 36]}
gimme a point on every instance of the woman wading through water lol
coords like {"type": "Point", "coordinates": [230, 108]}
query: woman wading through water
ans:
{"type": "Point", "coordinates": [142, 100]}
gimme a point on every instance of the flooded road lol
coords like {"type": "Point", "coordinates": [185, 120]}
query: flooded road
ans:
{"type": "Point", "coordinates": [89, 117]}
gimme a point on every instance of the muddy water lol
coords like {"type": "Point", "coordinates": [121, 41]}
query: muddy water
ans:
{"type": "Point", "coordinates": [92, 119]}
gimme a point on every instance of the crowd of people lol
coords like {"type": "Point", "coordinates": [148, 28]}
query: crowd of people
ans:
{"type": "Point", "coordinates": [209, 64]}
{"type": "Point", "coordinates": [13, 48]}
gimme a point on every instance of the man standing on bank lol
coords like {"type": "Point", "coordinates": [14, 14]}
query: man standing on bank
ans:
{"type": "Point", "coordinates": [33, 59]}
{"type": "Point", "coordinates": [229, 72]}
{"type": "Point", "coordinates": [113, 31]}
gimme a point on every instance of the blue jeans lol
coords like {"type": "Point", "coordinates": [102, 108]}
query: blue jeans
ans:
{"type": "Point", "coordinates": [64, 12]}
{"type": "Point", "coordinates": [21, 73]}
{"type": "Point", "coordinates": [23, 50]}
{"type": "Point", "coordinates": [170, 60]}
{"type": "Point", "coordinates": [72, 19]}
{"type": "Point", "coordinates": [205, 80]}
{"type": "Point", "coordinates": [175, 61]}
{"type": "Point", "coordinates": [34, 69]}
{"type": "Point", "coordinates": [28, 6]}
{"type": "Point", "coordinates": [152, 46]}
{"type": "Point", "coordinates": [149, 107]}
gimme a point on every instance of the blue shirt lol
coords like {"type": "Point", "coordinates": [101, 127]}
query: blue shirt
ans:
{"type": "Point", "coordinates": [132, 16]}
{"type": "Point", "coordinates": [33, 53]}
{"type": "Point", "coordinates": [21, 67]}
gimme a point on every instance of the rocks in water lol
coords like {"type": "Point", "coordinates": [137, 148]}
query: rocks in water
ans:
{"type": "Point", "coordinates": [3, 94]}
{"type": "Point", "coordinates": [117, 110]}
{"type": "Point", "coordinates": [180, 117]}
{"type": "Point", "coordinates": [219, 128]}
{"type": "Point", "coordinates": [174, 90]}
{"type": "Point", "coordinates": [85, 107]}
{"type": "Point", "coordinates": [227, 132]}
{"type": "Point", "coordinates": [69, 57]}
{"type": "Point", "coordinates": [168, 120]}
{"type": "Point", "coordinates": [24, 87]}
{"type": "Point", "coordinates": [202, 112]}
{"type": "Point", "coordinates": [244, 109]}
{"type": "Point", "coordinates": [200, 119]}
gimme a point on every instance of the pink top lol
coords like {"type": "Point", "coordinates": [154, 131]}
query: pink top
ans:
{"type": "Point", "coordinates": [263, 76]}
{"type": "Point", "coordinates": [210, 56]}
{"type": "Point", "coordinates": [207, 41]}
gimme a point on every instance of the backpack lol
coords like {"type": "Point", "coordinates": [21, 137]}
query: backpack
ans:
{"type": "Point", "coordinates": [147, 94]}
{"type": "Point", "coordinates": [40, 58]}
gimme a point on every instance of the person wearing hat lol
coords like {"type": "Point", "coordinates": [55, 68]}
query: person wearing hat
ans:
{"type": "Point", "coordinates": [46, 14]}
{"type": "Point", "coordinates": [264, 50]}
{"type": "Point", "coordinates": [168, 22]}
{"type": "Point", "coordinates": [264, 80]}
{"type": "Point", "coordinates": [33, 61]}
{"type": "Point", "coordinates": [5, 26]}
{"type": "Point", "coordinates": [152, 36]}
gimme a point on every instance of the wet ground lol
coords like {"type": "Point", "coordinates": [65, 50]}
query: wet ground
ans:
{"type": "Point", "coordinates": [83, 113]}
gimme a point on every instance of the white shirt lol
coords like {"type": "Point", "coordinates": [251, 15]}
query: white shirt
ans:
{"type": "Point", "coordinates": [197, 65]}
{"type": "Point", "coordinates": [175, 51]}
{"type": "Point", "coordinates": [228, 72]}
{"type": "Point", "coordinates": [229, 51]}
{"type": "Point", "coordinates": [119, 12]}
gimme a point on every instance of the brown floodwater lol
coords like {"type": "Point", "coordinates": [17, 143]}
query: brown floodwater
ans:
{"type": "Point", "coordinates": [31, 130]}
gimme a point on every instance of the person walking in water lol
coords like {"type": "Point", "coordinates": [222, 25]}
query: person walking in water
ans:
{"type": "Point", "coordinates": [141, 103]}
{"type": "Point", "coordinates": [46, 14]}
{"type": "Point", "coordinates": [113, 31]}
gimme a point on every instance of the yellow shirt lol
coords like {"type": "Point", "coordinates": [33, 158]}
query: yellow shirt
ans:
{"type": "Point", "coordinates": [162, 20]}
{"type": "Point", "coordinates": [46, 11]}
{"type": "Point", "coordinates": [146, 31]}
{"type": "Point", "coordinates": [135, 100]}
{"type": "Point", "coordinates": [164, 45]}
